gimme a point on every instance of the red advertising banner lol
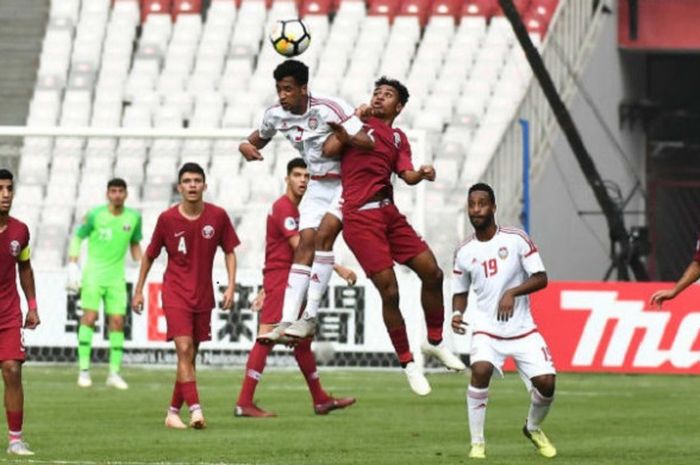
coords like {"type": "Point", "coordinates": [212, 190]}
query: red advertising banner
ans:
{"type": "Point", "coordinates": [611, 327]}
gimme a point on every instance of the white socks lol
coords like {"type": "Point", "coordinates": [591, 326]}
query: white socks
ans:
{"type": "Point", "coordinates": [321, 272]}
{"type": "Point", "coordinates": [297, 284]}
{"type": "Point", "coordinates": [539, 408]}
{"type": "Point", "coordinates": [476, 411]}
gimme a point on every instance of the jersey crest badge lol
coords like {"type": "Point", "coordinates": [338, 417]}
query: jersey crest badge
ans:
{"type": "Point", "coordinates": [126, 227]}
{"type": "Point", "coordinates": [397, 140]}
{"type": "Point", "coordinates": [15, 248]}
{"type": "Point", "coordinates": [503, 253]}
{"type": "Point", "coordinates": [313, 123]}
{"type": "Point", "coordinates": [208, 231]}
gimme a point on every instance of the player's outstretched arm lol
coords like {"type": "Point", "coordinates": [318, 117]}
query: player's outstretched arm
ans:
{"type": "Point", "coordinates": [26, 280]}
{"type": "Point", "coordinates": [413, 177]}
{"type": "Point", "coordinates": [534, 283]}
{"type": "Point", "coordinates": [459, 306]}
{"type": "Point", "coordinates": [230, 260]}
{"type": "Point", "coordinates": [136, 251]}
{"type": "Point", "coordinates": [339, 138]}
{"type": "Point", "coordinates": [137, 300]}
{"type": "Point", "coordinates": [250, 148]}
{"type": "Point", "coordinates": [73, 280]}
{"type": "Point", "coordinates": [691, 274]}
{"type": "Point", "coordinates": [346, 273]}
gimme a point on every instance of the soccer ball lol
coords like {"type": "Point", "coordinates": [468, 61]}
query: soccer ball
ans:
{"type": "Point", "coordinates": [290, 37]}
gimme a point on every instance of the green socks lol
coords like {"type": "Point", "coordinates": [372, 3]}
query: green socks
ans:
{"type": "Point", "coordinates": [85, 346]}
{"type": "Point", "coordinates": [116, 350]}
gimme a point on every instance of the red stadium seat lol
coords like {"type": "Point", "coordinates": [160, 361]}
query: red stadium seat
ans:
{"type": "Point", "coordinates": [420, 8]}
{"type": "Point", "coordinates": [186, 6]}
{"type": "Point", "coordinates": [520, 5]}
{"type": "Point", "coordinates": [479, 8]}
{"type": "Point", "coordinates": [543, 9]}
{"type": "Point", "coordinates": [156, 7]}
{"type": "Point", "coordinates": [384, 8]}
{"type": "Point", "coordinates": [315, 7]}
{"type": "Point", "coordinates": [446, 8]}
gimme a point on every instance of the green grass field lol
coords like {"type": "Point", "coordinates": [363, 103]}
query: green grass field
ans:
{"type": "Point", "coordinates": [596, 419]}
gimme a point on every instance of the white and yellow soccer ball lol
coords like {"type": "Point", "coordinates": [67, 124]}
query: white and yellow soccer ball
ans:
{"type": "Point", "coordinates": [290, 37]}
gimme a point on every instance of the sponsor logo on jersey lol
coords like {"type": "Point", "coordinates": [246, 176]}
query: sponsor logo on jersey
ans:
{"type": "Point", "coordinates": [503, 253]}
{"type": "Point", "coordinates": [15, 248]}
{"type": "Point", "coordinates": [208, 231]}
{"type": "Point", "coordinates": [290, 224]}
{"type": "Point", "coordinates": [397, 140]}
{"type": "Point", "coordinates": [313, 123]}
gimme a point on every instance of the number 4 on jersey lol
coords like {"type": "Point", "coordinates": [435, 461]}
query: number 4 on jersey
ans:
{"type": "Point", "coordinates": [182, 246]}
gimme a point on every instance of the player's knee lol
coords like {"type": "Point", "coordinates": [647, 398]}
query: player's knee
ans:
{"type": "Point", "coordinates": [11, 372]}
{"type": "Point", "coordinates": [88, 319]}
{"type": "Point", "coordinates": [390, 295]}
{"type": "Point", "coordinates": [116, 323]}
{"type": "Point", "coordinates": [545, 385]}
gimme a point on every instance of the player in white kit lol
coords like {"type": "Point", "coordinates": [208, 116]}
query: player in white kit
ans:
{"type": "Point", "coordinates": [303, 119]}
{"type": "Point", "coordinates": [502, 267]}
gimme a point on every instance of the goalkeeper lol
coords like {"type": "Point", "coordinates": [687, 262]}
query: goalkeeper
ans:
{"type": "Point", "coordinates": [110, 230]}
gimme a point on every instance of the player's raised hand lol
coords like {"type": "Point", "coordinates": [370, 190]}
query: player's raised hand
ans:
{"type": "Point", "coordinates": [339, 132]}
{"type": "Point", "coordinates": [506, 306]}
{"type": "Point", "coordinates": [659, 297]}
{"type": "Point", "coordinates": [458, 324]}
{"type": "Point", "coordinates": [427, 172]}
{"type": "Point", "coordinates": [364, 112]}
{"type": "Point", "coordinates": [227, 304]}
{"type": "Point", "coordinates": [32, 320]}
{"type": "Point", "coordinates": [249, 151]}
{"type": "Point", "coordinates": [137, 302]}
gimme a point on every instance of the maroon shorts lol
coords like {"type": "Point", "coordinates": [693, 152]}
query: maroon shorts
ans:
{"type": "Point", "coordinates": [11, 344]}
{"type": "Point", "coordinates": [380, 236]}
{"type": "Point", "coordinates": [274, 283]}
{"type": "Point", "coordinates": [182, 322]}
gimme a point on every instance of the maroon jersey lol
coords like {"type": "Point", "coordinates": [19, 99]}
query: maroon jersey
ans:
{"type": "Point", "coordinates": [14, 243]}
{"type": "Point", "coordinates": [191, 246]}
{"type": "Point", "coordinates": [364, 174]}
{"type": "Point", "coordinates": [282, 223]}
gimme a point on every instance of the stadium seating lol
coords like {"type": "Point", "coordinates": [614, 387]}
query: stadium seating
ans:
{"type": "Point", "coordinates": [172, 64]}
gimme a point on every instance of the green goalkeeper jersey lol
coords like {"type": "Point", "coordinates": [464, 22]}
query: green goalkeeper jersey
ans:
{"type": "Point", "coordinates": [109, 237]}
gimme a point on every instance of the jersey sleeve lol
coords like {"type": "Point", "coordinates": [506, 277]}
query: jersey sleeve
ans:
{"type": "Point", "coordinates": [229, 239]}
{"type": "Point", "coordinates": [285, 220]}
{"type": "Point", "coordinates": [137, 236]}
{"type": "Point", "coordinates": [344, 113]}
{"type": "Point", "coordinates": [25, 252]}
{"type": "Point", "coordinates": [403, 161]}
{"type": "Point", "coordinates": [86, 226]}
{"type": "Point", "coordinates": [267, 128]}
{"type": "Point", "coordinates": [529, 255]}
{"type": "Point", "coordinates": [460, 277]}
{"type": "Point", "coordinates": [157, 239]}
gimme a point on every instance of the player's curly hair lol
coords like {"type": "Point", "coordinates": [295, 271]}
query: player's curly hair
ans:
{"type": "Point", "coordinates": [294, 68]}
{"type": "Point", "coordinates": [483, 187]}
{"type": "Point", "coordinates": [396, 84]}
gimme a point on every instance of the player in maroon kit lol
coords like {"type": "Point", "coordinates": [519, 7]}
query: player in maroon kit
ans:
{"type": "Point", "coordinates": [378, 234]}
{"type": "Point", "coordinates": [14, 254]}
{"type": "Point", "coordinates": [282, 238]}
{"type": "Point", "coordinates": [190, 231]}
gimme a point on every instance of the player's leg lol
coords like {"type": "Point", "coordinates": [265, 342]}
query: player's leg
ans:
{"type": "Point", "coordinates": [535, 364]}
{"type": "Point", "coordinates": [321, 272]}
{"type": "Point", "coordinates": [186, 353]}
{"type": "Point", "coordinates": [115, 310]}
{"type": "Point", "coordinates": [408, 248]}
{"type": "Point", "coordinates": [90, 298]}
{"type": "Point", "coordinates": [257, 358]}
{"type": "Point", "coordinates": [11, 358]}
{"type": "Point", "coordinates": [323, 403]}
{"type": "Point", "coordinates": [477, 400]}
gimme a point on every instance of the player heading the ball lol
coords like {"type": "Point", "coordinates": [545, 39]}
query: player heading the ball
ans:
{"type": "Point", "coordinates": [190, 232]}
{"type": "Point", "coordinates": [304, 120]}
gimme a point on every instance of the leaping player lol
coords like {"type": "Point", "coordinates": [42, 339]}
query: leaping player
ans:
{"type": "Point", "coordinates": [378, 234]}
{"type": "Point", "coordinates": [303, 119]}
{"type": "Point", "coordinates": [503, 267]}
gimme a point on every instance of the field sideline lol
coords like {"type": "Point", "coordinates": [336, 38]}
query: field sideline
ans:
{"type": "Point", "coordinates": [596, 419]}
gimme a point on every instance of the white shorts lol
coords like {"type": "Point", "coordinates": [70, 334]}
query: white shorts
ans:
{"type": "Point", "coordinates": [530, 353]}
{"type": "Point", "coordinates": [321, 197]}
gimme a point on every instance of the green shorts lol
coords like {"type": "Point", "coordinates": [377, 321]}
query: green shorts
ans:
{"type": "Point", "coordinates": [114, 296]}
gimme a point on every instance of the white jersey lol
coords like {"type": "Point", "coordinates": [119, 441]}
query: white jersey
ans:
{"type": "Point", "coordinates": [491, 268]}
{"type": "Point", "coordinates": [309, 131]}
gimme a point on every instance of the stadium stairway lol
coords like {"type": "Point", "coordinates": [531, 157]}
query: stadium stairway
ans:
{"type": "Point", "coordinates": [22, 28]}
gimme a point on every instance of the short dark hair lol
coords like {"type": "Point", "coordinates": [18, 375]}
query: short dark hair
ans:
{"type": "Point", "coordinates": [6, 175]}
{"type": "Point", "coordinates": [191, 167]}
{"type": "Point", "coordinates": [483, 187]}
{"type": "Point", "coordinates": [295, 163]}
{"type": "Point", "coordinates": [116, 182]}
{"type": "Point", "coordinates": [294, 68]}
{"type": "Point", "coordinates": [396, 84]}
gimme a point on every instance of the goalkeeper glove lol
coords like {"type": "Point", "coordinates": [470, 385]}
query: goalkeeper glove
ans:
{"type": "Point", "coordinates": [73, 282]}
